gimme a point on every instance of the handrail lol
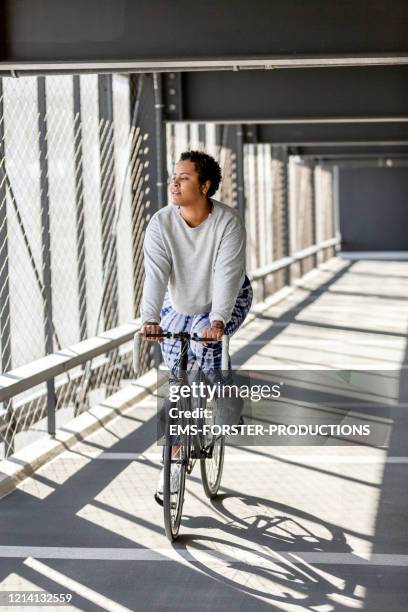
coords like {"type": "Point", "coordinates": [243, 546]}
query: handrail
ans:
{"type": "Point", "coordinates": [39, 371]}
{"type": "Point", "coordinates": [316, 248]}
{"type": "Point", "coordinates": [284, 262]}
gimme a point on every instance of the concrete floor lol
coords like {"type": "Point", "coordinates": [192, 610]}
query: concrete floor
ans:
{"type": "Point", "coordinates": [295, 528]}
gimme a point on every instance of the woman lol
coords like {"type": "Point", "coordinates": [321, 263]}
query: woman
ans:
{"type": "Point", "coordinates": [194, 253]}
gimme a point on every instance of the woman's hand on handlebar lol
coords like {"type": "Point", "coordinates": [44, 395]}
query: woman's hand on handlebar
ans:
{"type": "Point", "coordinates": [151, 328]}
{"type": "Point", "coordinates": [214, 333]}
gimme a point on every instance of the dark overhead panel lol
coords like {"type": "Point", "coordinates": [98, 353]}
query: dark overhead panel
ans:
{"type": "Point", "coordinates": [320, 94]}
{"type": "Point", "coordinates": [339, 134]}
{"type": "Point", "coordinates": [121, 34]}
{"type": "Point", "coordinates": [352, 151]}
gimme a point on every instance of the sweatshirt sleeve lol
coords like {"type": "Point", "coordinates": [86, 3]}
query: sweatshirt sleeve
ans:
{"type": "Point", "coordinates": [229, 268]}
{"type": "Point", "coordinates": [157, 265]}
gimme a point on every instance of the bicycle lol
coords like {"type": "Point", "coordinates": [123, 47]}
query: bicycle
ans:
{"type": "Point", "coordinates": [193, 440]}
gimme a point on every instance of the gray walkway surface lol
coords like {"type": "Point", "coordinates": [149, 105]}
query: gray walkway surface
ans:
{"type": "Point", "coordinates": [295, 528]}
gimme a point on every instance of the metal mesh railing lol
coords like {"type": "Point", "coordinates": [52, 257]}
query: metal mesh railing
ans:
{"type": "Point", "coordinates": [265, 213]}
{"type": "Point", "coordinates": [302, 211]}
{"type": "Point", "coordinates": [325, 214]}
{"type": "Point", "coordinates": [289, 208]}
{"type": "Point", "coordinates": [74, 201]}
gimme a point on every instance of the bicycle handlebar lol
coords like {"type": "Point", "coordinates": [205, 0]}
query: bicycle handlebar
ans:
{"type": "Point", "coordinates": [178, 336]}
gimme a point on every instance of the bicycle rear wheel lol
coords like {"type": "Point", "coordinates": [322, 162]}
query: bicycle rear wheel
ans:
{"type": "Point", "coordinates": [176, 458]}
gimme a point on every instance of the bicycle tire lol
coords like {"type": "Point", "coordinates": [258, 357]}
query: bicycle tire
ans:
{"type": "Point", "coordinates": [173, 502]}
{"type": "Point", "coordinates": [212, 467]}
{"type": "Point", "coordinates": [211, 478]}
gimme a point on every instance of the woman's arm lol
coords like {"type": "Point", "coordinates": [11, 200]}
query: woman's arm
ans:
{"type": "Point", "coordinates": [228, 271]}
{"type": "Point", "coordinates": [157, 265]}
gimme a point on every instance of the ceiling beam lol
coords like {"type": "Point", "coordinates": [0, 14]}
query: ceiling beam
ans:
{"type": "Point", "coordinates": [42, 68]}
{"type": "Point", "coordinates": [327, 95]}
{"type": "Point", "coordinates": [347, 151]}
{"type": "Point", "coordinates": [386, 164]}
{"type": "Point", "coordinates": [335, 134]}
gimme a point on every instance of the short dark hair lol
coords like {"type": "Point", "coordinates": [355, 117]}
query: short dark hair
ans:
{"type": "Point", "coordinates": [207, 167]}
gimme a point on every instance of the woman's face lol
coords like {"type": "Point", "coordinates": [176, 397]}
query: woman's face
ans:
{"type": "Point", "coordinates": [185, 188]}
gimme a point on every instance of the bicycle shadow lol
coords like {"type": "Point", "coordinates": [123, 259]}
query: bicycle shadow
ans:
{"type": "Point", "coordinates": [266, 553]}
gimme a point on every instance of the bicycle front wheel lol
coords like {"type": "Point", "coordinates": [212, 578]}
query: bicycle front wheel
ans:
{"type": "Point", "coordinates": [176, 457]}
{"type": "Point", "coordinates": [212, 466]}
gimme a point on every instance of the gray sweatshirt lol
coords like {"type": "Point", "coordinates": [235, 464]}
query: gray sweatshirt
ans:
{"type": "Point", "coordinates": [203, 267]}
